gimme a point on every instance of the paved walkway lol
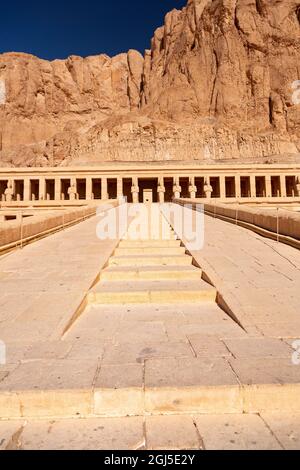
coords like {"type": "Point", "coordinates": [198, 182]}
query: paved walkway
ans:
{"type": "Point", "coordinates": [259, 278]}
{"type": "Point", "coordinates": [200, 432]}
{"type": "Point", "coordinates": [42, 285]}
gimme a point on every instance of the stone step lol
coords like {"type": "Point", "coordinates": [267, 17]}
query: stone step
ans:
{"type": "Point", "coordinates": [146, 243]}
{"type": "Point", "coordinates": [151, 292]}
{"type": "Point", "coordinates": [151, 273]}
{"type": "Point", "coordinates": [150, 250]}
{"type": "Point", "coordinates": [148, 260]}
{"type": "Point", "coordinates": [155, 235]}
{"type": "Point", "coordinates": [202, 387]}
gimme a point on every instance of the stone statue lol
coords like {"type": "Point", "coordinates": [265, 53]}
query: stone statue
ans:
{"type": "Point", "coordinates": [161, 190]}
{"type": "Point", "coordinates": [161, 194]}
{"type": "Point", "coordinates": [177, 188]}
{"type": "Point", "coordinates": [208, 189]}
{"type": "Point", "coordinates": [9, 192]}
{"type": "Point", "coordinates": [72, 192]}
{"type": "Point", "coordinates": [135, 190]}
{"type": "Point", "coordinates": [192, 188]}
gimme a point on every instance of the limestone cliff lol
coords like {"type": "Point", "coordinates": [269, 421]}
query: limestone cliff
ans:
{"type": "Point", "coordinates": [219, 82]}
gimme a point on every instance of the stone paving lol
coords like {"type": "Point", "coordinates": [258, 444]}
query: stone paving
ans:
{"type": "Point", "coordinates": [275, 431]}
{"type": "Point", "coordinates": [42, 285]}
{"type": "Point", "coordinates": [259, 278]}
{"type": "Point", "coordinates": [139, 358]}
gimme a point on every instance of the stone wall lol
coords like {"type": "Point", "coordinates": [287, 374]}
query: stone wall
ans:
{"type": "Point", "coordinates": [14, 231]}
{"type": "Point", "coordinates": [285, 221]}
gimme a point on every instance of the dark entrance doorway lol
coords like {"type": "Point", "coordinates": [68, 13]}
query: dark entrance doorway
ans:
{"type": "Point", "coordinates": [146, 187]}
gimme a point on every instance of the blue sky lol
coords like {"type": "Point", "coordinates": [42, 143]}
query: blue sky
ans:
{"type": "Point", "coordinates": [57, 29]}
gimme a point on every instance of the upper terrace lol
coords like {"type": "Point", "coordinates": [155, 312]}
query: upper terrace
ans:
{"type": "Point", "coordinates": [248, 183]}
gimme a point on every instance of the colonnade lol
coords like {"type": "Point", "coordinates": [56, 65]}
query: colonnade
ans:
{"type": "Point", "coordinates": [163, 187]}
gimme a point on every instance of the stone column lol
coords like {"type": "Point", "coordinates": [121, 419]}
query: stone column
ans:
{"type": "Point", "coordinates": [120, 188]}
{"type": "Point", "coordinates": [135, 190]}
{"type": "Point", "coordinates": [89, 188]}
{"type": "Point", "coordinates": [161, 190]}
{"type": "Point", "coordinates": [238, 186]}
{"type": "Point", "coordinates": [268, 186]}
{"type": "Point", "coordinates": [252, 186]}
{"type": "Point", "coordinates": [297, 186]}
{"type": "Point", "coordinates": [192, 188]}
{"type": "Point", "coordinates": [26, 189]}
{"type": "Point", "coordinates": [57, 189]}
{"type": "Point", "coordinates": [42, 188]}
{"type": "Point", "coordinates": [283, 192]}
{"type": "Point", "coordinates": [176, 188]}
{"type": "Point", "coordinates": [104, 191]}
{"type": "Point", "coordinates": [222, 187]}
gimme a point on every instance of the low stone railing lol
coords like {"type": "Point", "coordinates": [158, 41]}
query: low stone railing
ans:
{"type": "Point", "coordinates": [22, 231]}
{"type": "Point", "coordinates": [278, 224]}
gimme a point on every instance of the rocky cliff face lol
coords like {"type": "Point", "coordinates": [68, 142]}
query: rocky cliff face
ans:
{"type": "Point", "coordinates": [220, 82]}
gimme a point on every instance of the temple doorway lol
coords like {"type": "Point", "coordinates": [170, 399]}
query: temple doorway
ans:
{"type": "Point", "coordinates": [148, 190]}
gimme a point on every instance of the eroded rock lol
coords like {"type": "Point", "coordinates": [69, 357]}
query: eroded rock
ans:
{"type": "Point", "coordinates": [216, 84]}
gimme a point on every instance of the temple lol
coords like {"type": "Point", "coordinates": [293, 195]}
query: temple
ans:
{"type": "Point", "coordinates": [151, 183]}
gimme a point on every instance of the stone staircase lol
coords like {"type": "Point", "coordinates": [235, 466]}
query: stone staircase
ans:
{"type": "Point", "coordinates": [151, 271]}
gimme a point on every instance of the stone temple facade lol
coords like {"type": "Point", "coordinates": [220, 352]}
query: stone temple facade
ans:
{"type": "Point", "coordinates": [151, 183]}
